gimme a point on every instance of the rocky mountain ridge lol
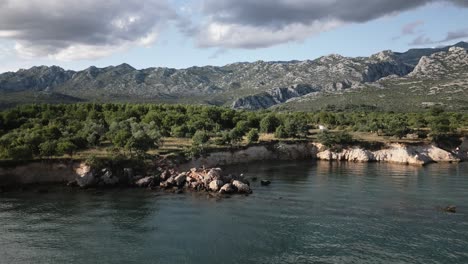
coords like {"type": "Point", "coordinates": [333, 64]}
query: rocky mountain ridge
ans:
{"type": "Point", "coordinates": [255, 85]}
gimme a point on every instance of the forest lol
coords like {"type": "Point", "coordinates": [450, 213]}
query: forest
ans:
{"type": "Point", "coordinates": [42, 131]}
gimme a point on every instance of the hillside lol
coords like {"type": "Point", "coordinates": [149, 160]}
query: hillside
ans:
{"type": "Point", "coordinates": [310, 84]}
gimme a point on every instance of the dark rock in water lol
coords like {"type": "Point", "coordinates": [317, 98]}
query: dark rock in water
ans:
{"type": "Point", "coordinates": [265, 182]}
{"type": "Point", "coordinates": [254, 179]}
{"type": "Point", "coordinates": [108, 178]}
{"type": "Point", "coordinates": [145, 182]}
{"type": "Point", "coordinates": [180, 179]}
{"type": "Point", "coordinates": [87, 180]}
{"type": "Point", "coordinates": [215, 185]}
{"type": "Point", "coordinates": [128, 174]}
{"type": "Point", "coordinates": [227, 188]}
{"type": "Point", "coordinates": [241, 187]}
{"type": "Point", "coordinates": [450, 209]}
{"type": "Point", "coordinates": [72, 183]}
{"type": "Point", "coordinates": [165, 175]}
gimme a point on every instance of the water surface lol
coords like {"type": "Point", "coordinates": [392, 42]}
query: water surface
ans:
{"type": "Point", "coordinates": [311, 213]}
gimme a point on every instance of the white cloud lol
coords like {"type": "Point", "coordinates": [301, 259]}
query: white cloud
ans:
{"type": "Point", "coordinates": [86, 29]}
{"type": "Point", "coordinates": [244, 36]}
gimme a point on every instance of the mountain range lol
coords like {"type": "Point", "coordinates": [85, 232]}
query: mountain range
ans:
{"type": "Point", "coordinates": [416, 79]}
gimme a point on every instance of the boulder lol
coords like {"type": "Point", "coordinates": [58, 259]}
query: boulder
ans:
{"type": "Point", "coordinates": [241, 187]}
{"type": "Point", "coordinates": [450, 209]}
{"type": "Point", "coordinates": [227, 188]}
{"type": "Point", "coordinates": [86, 180]}
{"type": "Point", "coordinates": [145, 182]}
{"type": "Point", "coordinates": [128, 174]}
{"type": "Point", "coordinates": [216, 185]}
{"type": "Point", "coordinates": [214, 173]}
{"type": "Point", "coordinates": [265, 182]}
{"type": "Point", "coordinates": [180, 179]}
{"type": "Point", "coordinates": [108, 178]}
{"type": "Point", "coordinates": [165, 175]}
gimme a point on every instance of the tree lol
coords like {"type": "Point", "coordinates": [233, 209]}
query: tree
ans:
{"type": "Point", "coordinates": [66, 147]}
{"type": "Point", "coordinates": [333, 139]}
{"type": "Point", "coordinates": [253, 136]}
{"type": "Point", "coordinates": [121, 138]}
{"type": "Point", "coordinates": [48, 149]}
{"type": "Point", "coordinates": [179, 131]}
{"type": "Point", "coordinates": [236, 135]}
{"type": "Point", "coordinates": [281, 132]}
{"type": "Point", "coordinates": [269, 123]}
{"type": "Point", "coordinates": [22, 152]}
{"type": "Point", "coordinates": [200, 138]}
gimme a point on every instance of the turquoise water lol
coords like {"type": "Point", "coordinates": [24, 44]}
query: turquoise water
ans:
{"type": "Point", "coordinates": [311, 213]}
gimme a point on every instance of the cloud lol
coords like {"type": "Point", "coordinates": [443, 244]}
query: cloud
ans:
{"type": "Point", "coordinates": [250, 37]}
{"type": "Point", "coordinates": [264, 23]}
{"type": "Point", "coordinates": [410, 28]}
{"type": "Point", "coordinates": [86, 29]}
{"type": "Point", "coordinates": [421, 40]}
{"type": "Point", "coordinates": [453, 35]}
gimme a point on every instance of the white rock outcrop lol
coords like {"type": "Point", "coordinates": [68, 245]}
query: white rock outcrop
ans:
{"type": "Point", "coordinates": [394, 153]}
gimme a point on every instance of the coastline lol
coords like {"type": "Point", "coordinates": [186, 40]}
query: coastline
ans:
{"type": "Point", "coordinates": [66, 171]}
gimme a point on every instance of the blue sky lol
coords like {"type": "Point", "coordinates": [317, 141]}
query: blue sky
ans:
{"type": "Point", "coordinates": [182, 33]}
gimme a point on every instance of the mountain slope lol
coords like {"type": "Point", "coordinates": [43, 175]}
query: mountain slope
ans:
{"type": "Point", "coordinates": [255, 85]}
{"type": "Point", "coordinates": [438, 79]}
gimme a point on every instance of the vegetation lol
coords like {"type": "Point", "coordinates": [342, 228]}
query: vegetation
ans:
{"type": "Point", "coordinates": [44, 131]}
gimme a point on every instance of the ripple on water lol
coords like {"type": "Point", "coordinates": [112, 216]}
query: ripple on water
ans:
{"type": "Point", "coordinates": [312, 212]}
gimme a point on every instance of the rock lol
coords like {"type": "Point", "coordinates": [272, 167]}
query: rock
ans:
{"type": "Point", "coordinates": [72, 183]}
{"type": "Point", "coordinates": [128, 174]}
{"type": "Point", "coordinates": [228, 178]}
{"type": "Point", "coordinates": [108, 178]}
{"type": "Point", "coordinates": [227, 188]}
{"type": "Point", "coordinates": [265, 182]}
{"type": "Point", "coordinates": [254, 179]}
{"type": "Point", "coordinates": [137, 177]}
{"type": "Point", "coordinates": [165, 175]}
{"type": "Point", "coordinates": [180, 179]}
{"type": "Point", "coordinates": [171, 181]}
{"type": "Point", "coordinates": [241, 187]}
{"type": "Point", "coordinates": [215, 185]}
{"type": "Point", "coordinates": [86, 180]}
{"type": "Point", "coordinates": [450, 209]}
{"type": "Point", "coordinates": [145, 182]}
{"type": "Point", "coordinates": [214, 174]}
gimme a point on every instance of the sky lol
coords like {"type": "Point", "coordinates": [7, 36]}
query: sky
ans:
{"type": "Point", "coordinates": [184, 33]}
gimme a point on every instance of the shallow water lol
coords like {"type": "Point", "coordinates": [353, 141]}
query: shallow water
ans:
{"type": "Point", "coordinates": [311, 213]}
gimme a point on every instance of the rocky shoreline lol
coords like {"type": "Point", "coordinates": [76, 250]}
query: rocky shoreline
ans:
{"type": "Point", "coordinates": [203, 174]}
{"type": "Point", "coordinates": [197, 180]}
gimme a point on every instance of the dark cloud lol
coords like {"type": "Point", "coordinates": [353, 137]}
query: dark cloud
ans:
{"type": "Point", "coordinates": [454, 35]}
{"type": "Point", "coordinates": [50, 27]}
{"type": "Point", "coordinates": [279, 13]}
{"type": "Point", "coordinates": [254, 24]}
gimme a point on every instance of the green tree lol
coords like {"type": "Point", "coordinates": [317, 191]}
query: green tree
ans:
{"type": "Point", "coordinates": [21, 152]}
{"type": "Point", "coordinates": [281, 132]}
{"type": "Point", "coordinates": [253, 136]}
{"type": "Point", "coordinates": [66, 147]}
{"type": "Point", "coordinates": [200, 138]}
{"type": "Point", "coordinates": [48, 149]}
{"type": "Point", "coordinates": [269, 123]}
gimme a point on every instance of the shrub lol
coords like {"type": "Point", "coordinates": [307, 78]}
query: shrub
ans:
{"type": "Point", "coordinates": [253, 136]}
{"type": "Point", "coordinates": [281, 132]}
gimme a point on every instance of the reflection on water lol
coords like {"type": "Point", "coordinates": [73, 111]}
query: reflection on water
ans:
{"type": "Point", "coordinates": [312, 212]}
